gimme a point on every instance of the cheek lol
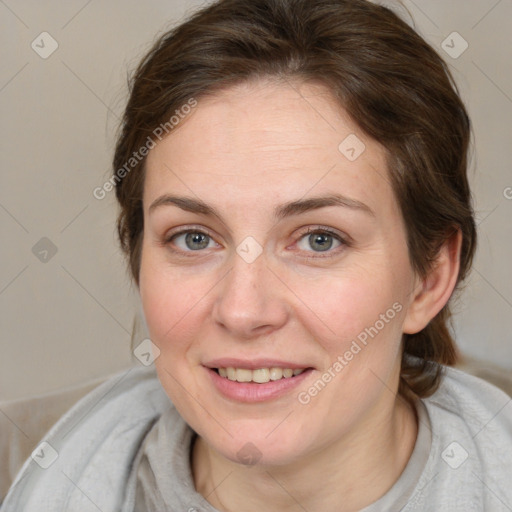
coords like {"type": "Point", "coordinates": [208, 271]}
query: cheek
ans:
{"type": "Point", "coordinates": [171, 304]}
{"type": "Point", "coordinates": [165, 299]}
{"type": "Point", "coordinates": [340, 306]}
{"type": "Point", "coordinates": [168, 302]}
{"type": "Point", "coordinates": [356, 318]}
{"type": "Point", "coordinates": [177, 307]}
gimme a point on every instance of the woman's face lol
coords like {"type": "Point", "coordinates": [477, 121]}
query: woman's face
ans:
{"type": "Point", "coordinates": [264, 278]}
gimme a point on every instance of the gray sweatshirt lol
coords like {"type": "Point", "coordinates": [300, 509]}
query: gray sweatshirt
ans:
{"type": "Point", "coordinates": [125, 448]}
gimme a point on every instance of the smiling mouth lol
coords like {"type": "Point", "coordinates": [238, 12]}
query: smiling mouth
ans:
{"type": "Point", "coordinates": [259, 375]}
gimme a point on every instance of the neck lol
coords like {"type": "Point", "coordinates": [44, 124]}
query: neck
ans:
{"type": "Point", "coordinates": [349, 475]}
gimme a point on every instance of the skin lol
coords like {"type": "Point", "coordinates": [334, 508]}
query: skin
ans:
{"type": "Point", "coordinates": [244, 151]}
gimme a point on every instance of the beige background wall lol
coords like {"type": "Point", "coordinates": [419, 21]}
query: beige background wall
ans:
{"type": "Point", "coordinates": [67, 317]}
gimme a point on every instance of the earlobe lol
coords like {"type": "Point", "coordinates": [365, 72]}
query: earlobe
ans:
{"type": "Point", "coordinates": [433, 292]}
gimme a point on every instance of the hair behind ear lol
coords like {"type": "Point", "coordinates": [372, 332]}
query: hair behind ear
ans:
{"type": "Point", "coordinates": [434, 345]}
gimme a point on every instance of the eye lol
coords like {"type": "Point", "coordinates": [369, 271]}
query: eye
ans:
{"type": "Point", "coordinates": [190, 240]}
{"type": "Point", "coordinates": [320, 240]}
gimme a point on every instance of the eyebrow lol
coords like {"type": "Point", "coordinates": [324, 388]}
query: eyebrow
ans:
{"type": "Point", "coordinates": [297, 207]}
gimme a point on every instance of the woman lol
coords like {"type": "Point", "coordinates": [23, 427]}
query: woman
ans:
{"type": "Point", "coordinates": [295, 209]}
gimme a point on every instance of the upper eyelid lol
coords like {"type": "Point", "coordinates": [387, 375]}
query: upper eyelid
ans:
{"type": "Point", "coordinates": [187, 229]}
{"type": "Point", "coordinates": [206, 231]}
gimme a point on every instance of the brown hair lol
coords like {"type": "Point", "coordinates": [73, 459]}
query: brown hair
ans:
{"type": "Point", "coordinates": [386, 77]}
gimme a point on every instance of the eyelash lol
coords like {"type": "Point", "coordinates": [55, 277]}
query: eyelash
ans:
{"type": "Point", "coordinates": [317, 229]}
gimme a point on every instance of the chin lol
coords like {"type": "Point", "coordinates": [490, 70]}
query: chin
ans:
{"type": "Point", "coordinates": [255, 446]}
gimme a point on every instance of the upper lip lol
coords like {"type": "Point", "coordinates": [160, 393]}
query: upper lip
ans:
{"type": "Point", "coordinates": [253, 364]}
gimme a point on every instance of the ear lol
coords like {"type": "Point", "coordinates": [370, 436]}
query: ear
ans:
{"type": "Point", "coordinates": [433, 292]}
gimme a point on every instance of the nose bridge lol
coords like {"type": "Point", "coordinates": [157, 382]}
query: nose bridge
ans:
{"type": "Point", "coordinates": [249, 300]}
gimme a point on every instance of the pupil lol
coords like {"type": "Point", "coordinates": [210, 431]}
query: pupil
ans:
{"type": "Point", "coordinates": [320, 239]}
{"type": "Point", "coordinates": [194, 238]}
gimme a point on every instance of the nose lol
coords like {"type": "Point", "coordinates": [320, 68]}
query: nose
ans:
{"type": "Point", "coordinates": [251, 300]}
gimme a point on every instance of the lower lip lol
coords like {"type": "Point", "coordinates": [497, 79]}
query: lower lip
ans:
{"type": "Point", "coordinates": [251, 392]}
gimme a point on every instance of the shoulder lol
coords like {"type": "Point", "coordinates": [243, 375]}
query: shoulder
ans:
{"type": "Point", "coordinates": [134, 394]}
{"type": "Point", "coordinates": [92, 445]}
{"type": "Point", "coordinates": [471, 409]}
{"type": "Point", "coordinates": [470, 460]}
{"type": "Point", "coordinates": [472, 400]}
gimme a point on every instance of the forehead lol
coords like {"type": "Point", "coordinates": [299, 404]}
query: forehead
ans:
{"type": "Point", "coordinates": [283, 139]}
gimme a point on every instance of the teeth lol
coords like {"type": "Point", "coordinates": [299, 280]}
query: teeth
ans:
{"type": "Point", "coordinates": [243, 375]}
{"type": "Point", "coordinates": [260, 375]}
{"type": "Point", "coordinates": [276, 373]}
